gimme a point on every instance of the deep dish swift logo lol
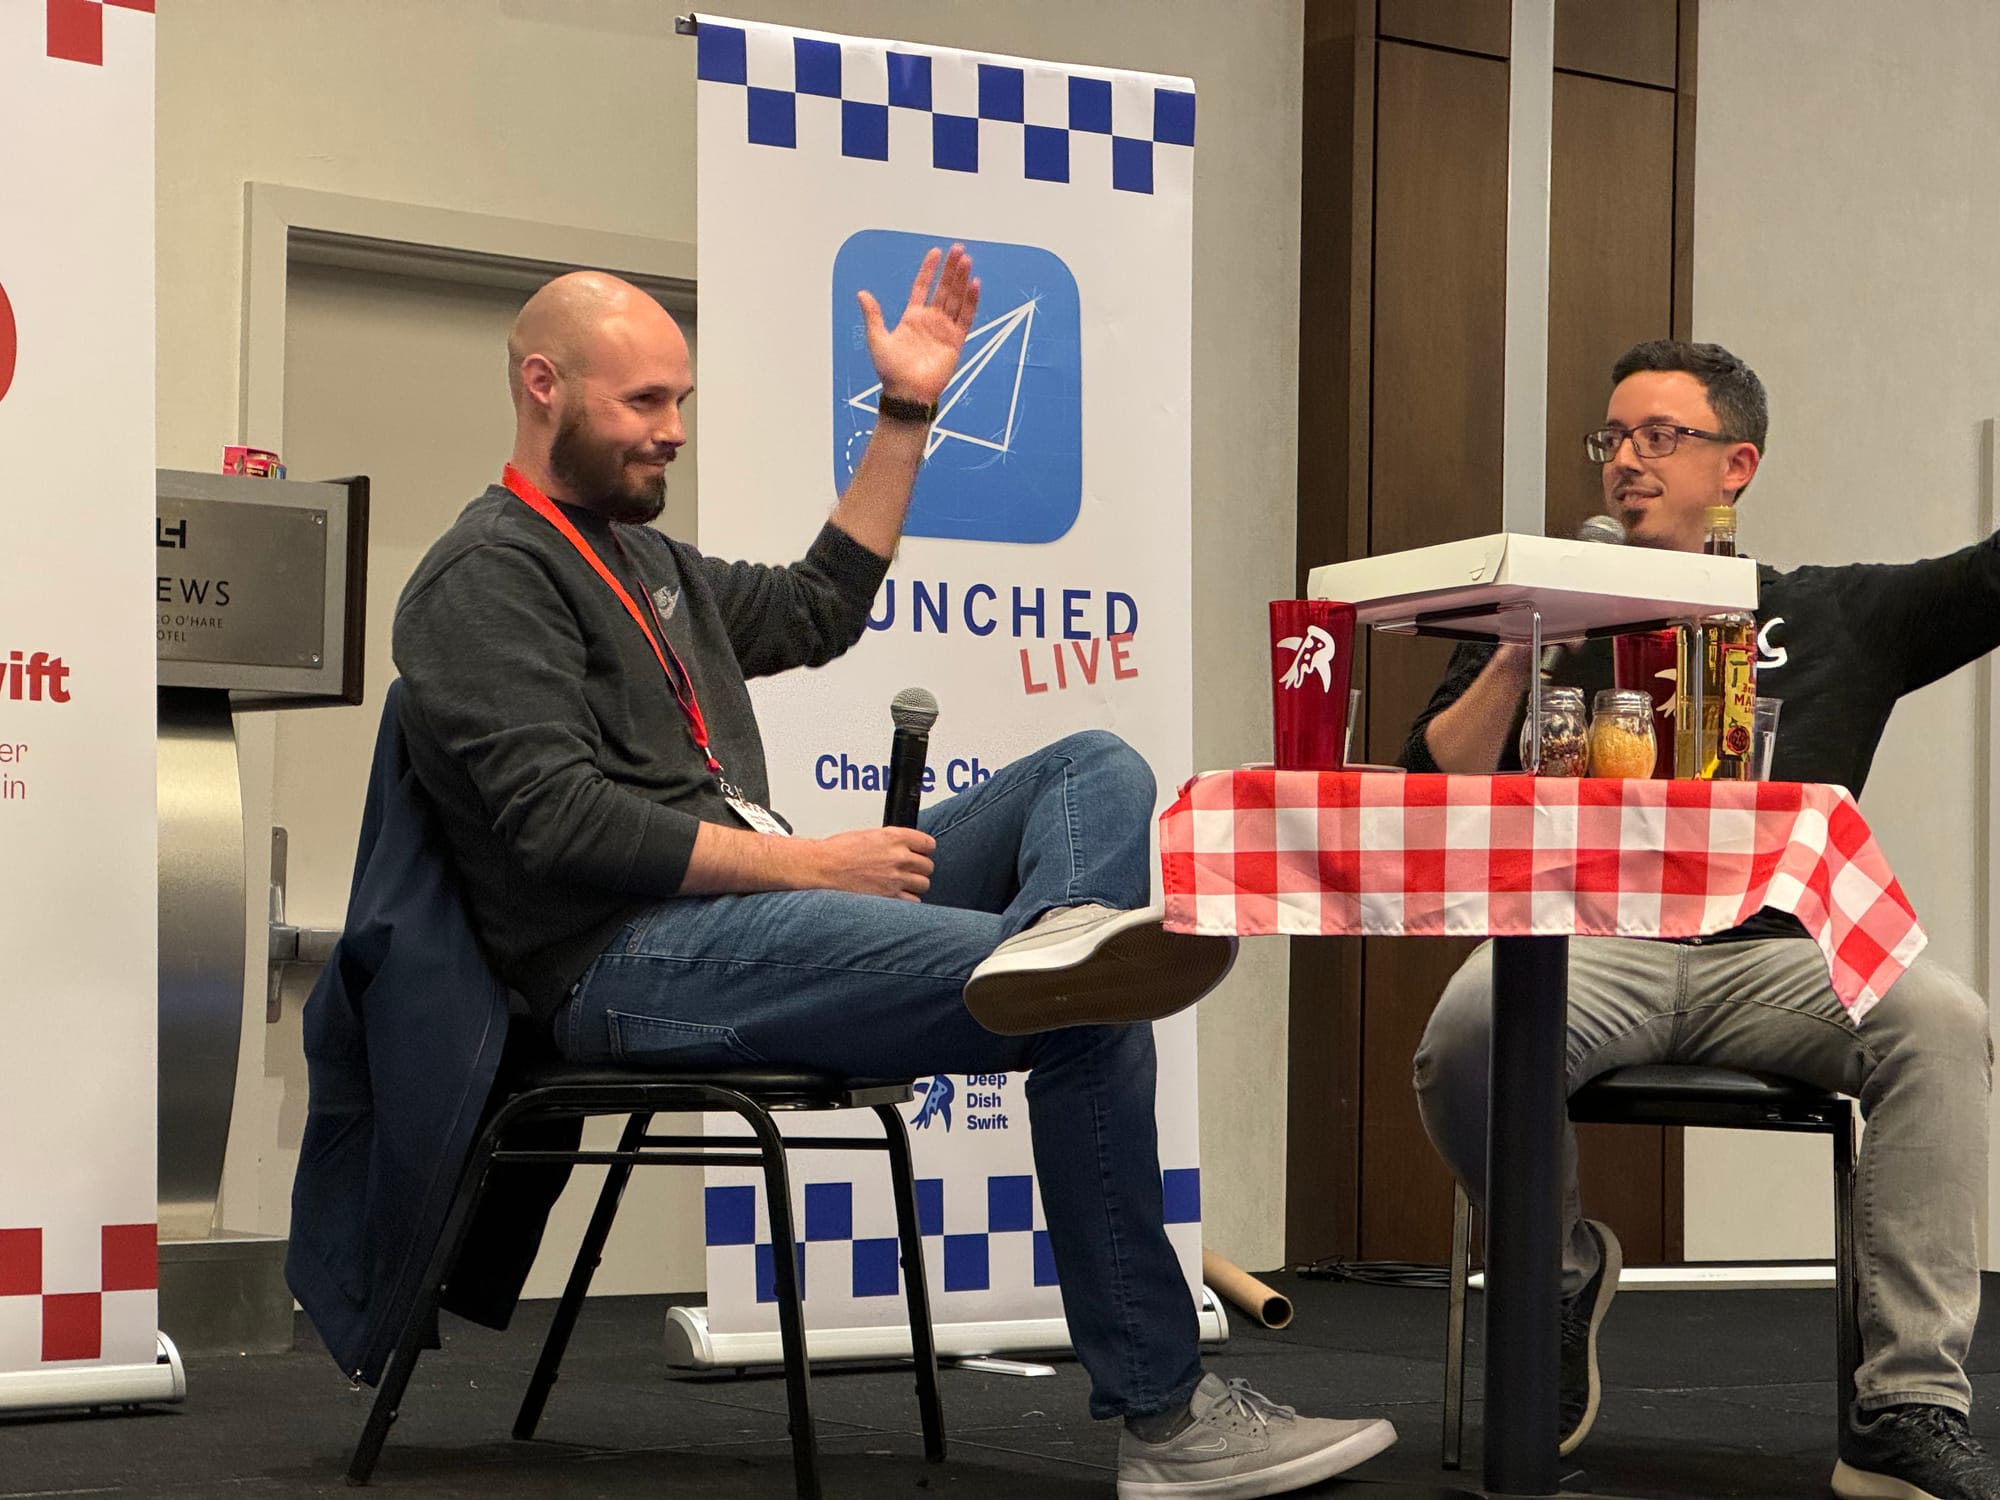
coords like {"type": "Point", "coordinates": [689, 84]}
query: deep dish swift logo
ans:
{"type": "Point", "coordinates": [34, 677]}
{"type": "Point", "coordinates": [1005, 458]}
{"type": "Point", "coordinates": [1313, 654]}
{"type": "Point", "coordinates": [936, 1105]}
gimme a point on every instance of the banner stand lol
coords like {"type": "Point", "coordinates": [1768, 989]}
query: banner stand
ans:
{"type": "Point", "coordinates": [96, 1385]}
{"type": "Point", "coordinates": [693, 1345]}
{"type": "Point", "coordinates": [1040, 587]}
{"type": "Point", "coordinates": [78, 884]}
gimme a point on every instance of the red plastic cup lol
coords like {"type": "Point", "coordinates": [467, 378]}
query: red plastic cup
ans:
{"type": "Point", "coordinates": [1649, 662]}
{"type": "Point", "coordinates": [1312, 659]}
{"type": "Point", "coordinates": [259, 463]}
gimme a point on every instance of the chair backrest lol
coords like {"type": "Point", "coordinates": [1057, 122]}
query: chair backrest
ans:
{"type": "Point", "coordinates": [404, 1034]}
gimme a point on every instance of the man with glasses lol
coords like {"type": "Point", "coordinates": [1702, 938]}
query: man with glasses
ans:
{"type": "Point", "coordinates": [1684, 431]}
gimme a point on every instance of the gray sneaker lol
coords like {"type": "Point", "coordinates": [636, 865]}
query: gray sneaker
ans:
{"type": "Point", "coordinates": [1094, 966]}
{"type": "Point", "coordinates": [1241, 1445]}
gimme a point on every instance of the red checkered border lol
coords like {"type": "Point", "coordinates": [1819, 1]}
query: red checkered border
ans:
{"type": "Point", "coordinates": [76, 28]}
{"type": "Point", "coordinates": [73, 1322]}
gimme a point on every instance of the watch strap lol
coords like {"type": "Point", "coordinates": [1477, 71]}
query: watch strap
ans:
{"type": "Point", "coordinates": [896, 409]}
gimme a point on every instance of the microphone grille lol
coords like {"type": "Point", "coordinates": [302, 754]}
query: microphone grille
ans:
{"type": "Point", "coordinates": [914, 708]}
{"type": "Point", "coordinates": [1601, 529]}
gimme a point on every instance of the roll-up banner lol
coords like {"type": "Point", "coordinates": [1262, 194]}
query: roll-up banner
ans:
{"type": "Point", "coordinates": [1041, 588]}
{"type": "Point", "coordinates": [78, 880]}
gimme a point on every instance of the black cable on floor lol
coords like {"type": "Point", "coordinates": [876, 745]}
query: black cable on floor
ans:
{"type": "Point", "coordinates": [1378, 1272]}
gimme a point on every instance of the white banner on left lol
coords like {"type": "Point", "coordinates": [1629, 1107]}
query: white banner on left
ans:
{"type": "Point", "coordinates": [78, 877]}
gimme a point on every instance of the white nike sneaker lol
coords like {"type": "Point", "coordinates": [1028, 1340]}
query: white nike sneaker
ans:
{"type": "Point", "coordinates": [1241, 1445]}
{"type": "Point", "coordinates": [1094, 966]}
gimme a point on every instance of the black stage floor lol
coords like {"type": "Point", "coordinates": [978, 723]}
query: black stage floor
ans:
{"type": "Point", "coordinates": [1709, 1394]}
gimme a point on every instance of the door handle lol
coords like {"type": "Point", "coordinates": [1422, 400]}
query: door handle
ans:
{"type": "Point", "coordinates": [288, 942]}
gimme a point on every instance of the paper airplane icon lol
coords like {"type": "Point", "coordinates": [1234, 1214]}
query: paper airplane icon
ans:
{"type": "Point", "coordinates": [977, 358]}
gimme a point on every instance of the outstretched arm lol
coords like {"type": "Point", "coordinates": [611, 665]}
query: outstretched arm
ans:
{"type": "Point", "coordinates": [1941, 613]}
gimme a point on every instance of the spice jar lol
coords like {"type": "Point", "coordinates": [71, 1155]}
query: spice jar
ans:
{"type": "Point", "coordinates": [1621, 734]}
{"type": "Point", "coordinates": [1565, 751]}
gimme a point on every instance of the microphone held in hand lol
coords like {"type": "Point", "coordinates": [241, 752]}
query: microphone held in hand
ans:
{"type": "Point", "coordinates": [914, 711]}
{"type": "Point", "coordinates": [1599, 528]}
{"type": "Point", "coordinates": [1602, 529]}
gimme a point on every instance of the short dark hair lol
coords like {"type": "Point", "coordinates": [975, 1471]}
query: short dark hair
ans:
{"type": "Point", "coordinates": [1733, 387]}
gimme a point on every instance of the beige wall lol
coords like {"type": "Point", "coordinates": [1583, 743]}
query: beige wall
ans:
{"type": "Point", "coordinates": [580, 112]}
{"type": "Point", "coordinates": [1847, 209]}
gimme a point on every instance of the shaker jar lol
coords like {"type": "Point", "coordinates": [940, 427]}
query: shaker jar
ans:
{"type": "Point", "coordinates": [1565, 751]}
{"type": "Point", "coordinates": [1621, 734]}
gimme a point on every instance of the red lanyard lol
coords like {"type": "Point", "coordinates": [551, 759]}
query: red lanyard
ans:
{"type": "Point", "coordinates": [677, 675]}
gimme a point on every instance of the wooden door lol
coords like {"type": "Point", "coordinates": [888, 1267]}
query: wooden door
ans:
{"type": "Point", "coordinates": [1404, 220]}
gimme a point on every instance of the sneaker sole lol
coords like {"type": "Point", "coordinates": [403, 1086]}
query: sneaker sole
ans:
{"type": "Point", "coordinates": [1307, 1468]}
{"type": "Point", "coordinates": [1857, 1484]}
{"type": "Point", "coordinates": [1143, 973]}
{"type": "Point", "coordinates": [1607, 1288]}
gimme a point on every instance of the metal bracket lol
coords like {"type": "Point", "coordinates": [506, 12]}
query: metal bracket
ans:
{"type": "Point", "coordinates": [289, 944]}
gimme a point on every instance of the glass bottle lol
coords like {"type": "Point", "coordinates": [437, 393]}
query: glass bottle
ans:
{"type": "Point", "coordinates": [1621, 734]}
{"type": "Point", "coordinates": [1565, 749]}
{"type": "Point", "coordinates": [1714, 744]}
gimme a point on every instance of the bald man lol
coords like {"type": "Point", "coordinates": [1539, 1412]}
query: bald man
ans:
{"type": "Point", "coordinates": [575, 706]}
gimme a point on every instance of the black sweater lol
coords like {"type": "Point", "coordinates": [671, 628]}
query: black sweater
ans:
{"type": "Point", "coordinates": [1839, 645]}
{"type": "Point", "coordinates": [541, 726]}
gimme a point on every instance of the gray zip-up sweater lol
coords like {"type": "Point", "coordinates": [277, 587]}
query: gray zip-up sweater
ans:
{"type": "Point", "coordinates": [541, 726]}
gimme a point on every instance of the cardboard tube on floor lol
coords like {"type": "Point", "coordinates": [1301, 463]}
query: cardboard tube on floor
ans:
{"type": "Point", "coordinates": [1272, 1309]}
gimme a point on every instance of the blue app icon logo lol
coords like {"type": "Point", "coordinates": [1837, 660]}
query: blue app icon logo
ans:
{"type": "Point", "coordinates": [1005, 457]}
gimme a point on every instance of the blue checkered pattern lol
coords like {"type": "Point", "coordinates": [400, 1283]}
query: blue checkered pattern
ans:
{"type": "Point", "coordinates": [731, 1216]}
{"type": "Point", "coordinates": [966, 102]}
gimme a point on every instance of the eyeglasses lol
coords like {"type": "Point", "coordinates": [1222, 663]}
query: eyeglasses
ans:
{"type": "Point", "coordinates": [1649, 440]}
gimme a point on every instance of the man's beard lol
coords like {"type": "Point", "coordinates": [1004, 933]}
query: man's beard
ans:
{"type": "Point", "coordinates": [594, 474]}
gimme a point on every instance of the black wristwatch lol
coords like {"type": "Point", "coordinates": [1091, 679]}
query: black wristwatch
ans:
{"type": "Point", "coordinates": [896, 409]}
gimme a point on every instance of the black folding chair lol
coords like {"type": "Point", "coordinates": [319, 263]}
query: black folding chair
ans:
{"type": "Point", "coordinates": [545, 1091]}
{"type": "Point", "coordinates": [1720, 1098]}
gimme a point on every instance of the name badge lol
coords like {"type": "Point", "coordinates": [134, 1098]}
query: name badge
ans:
{"type": "Point", "coordinates": [760, 819]}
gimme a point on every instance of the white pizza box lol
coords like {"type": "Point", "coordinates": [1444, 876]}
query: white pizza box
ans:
{"type": "Point", "coordinates": [1486, 586]}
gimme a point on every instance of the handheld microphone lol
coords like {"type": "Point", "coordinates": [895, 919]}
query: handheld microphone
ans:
{"type": "Point", "coordinates": [1598, 528]}
{"type": "Point", "coordinates": [914, 711]}
{"type": "Point", "coordinates": [1602, 528]}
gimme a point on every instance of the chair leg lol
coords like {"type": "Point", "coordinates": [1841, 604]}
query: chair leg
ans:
{"type": "Point", "coordinates": [589, 1255]}
{"type": "Point", "coordinates": [402, 1361]}
{"type": "Point", "coordinates": [1453, 1447]}
{"type": "Point", "coordinates": [916, 1285]}
{"type": "Point", "coordinates": [1848, 1337]}
{"type": "Point", "coordinates": [791, 1305]}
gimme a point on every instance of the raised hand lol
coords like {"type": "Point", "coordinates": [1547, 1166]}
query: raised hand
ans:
{"type": "Point", "coordinates": [916, 357]}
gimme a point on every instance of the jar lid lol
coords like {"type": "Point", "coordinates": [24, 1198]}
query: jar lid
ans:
{"type": "Point", "coordinates": [1564, 697]}
{"type": "Point", "coordinates": [1624, 700]}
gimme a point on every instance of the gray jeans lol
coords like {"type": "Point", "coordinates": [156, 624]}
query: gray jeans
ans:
{"type": "Point", "coordinates": [1920, 1062]}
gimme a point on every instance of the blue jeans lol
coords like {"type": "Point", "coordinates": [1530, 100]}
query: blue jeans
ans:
{"type": "Point", "coordinates": [870, 986]}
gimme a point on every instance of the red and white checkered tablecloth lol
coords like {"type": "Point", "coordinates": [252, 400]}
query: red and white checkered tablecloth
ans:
{"type": "Point", "coordinates": [1256, 852]}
